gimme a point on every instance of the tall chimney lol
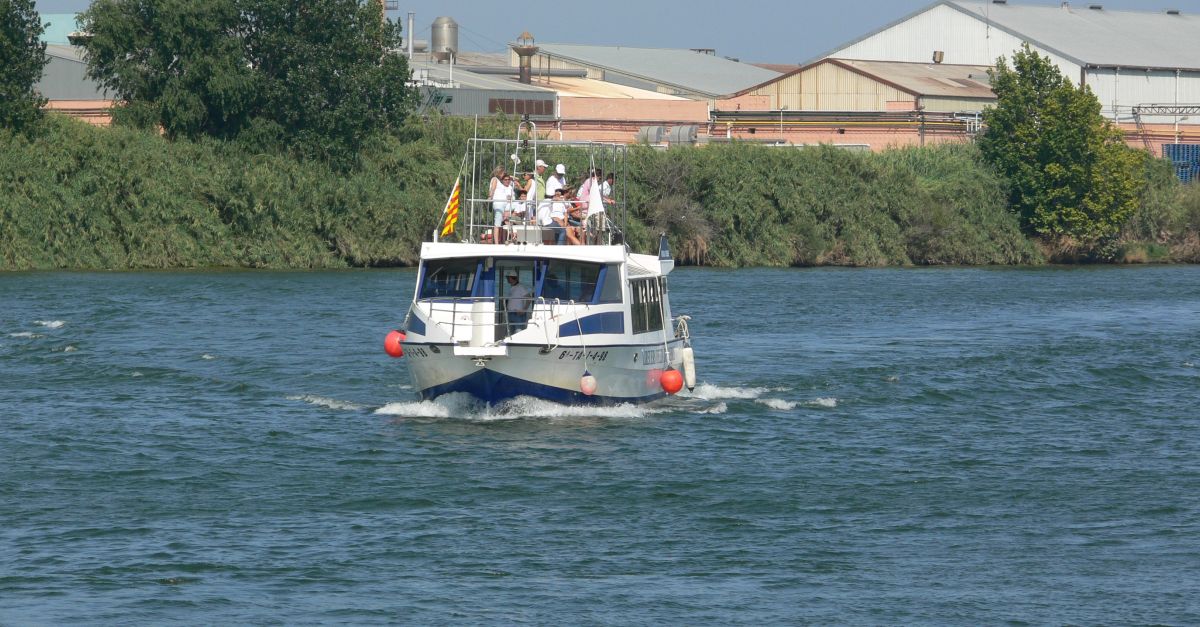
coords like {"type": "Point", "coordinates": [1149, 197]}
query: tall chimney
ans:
{"type": "Point", "coordinates": [412, 18]}
{"type": "Point", "coordinates": [525, 50]}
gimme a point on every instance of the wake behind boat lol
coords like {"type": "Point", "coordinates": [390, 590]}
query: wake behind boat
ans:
{"type": "Point", "coordinates": [501, 310]}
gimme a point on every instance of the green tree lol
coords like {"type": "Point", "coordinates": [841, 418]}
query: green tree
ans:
{"type": "Point", "coordinates": [316, 77]}
{"type": "Point", "coordinates": [22, 58]}
{"type": "Point", "coordinates": [329, 80]}
{"type": "Point", "coordinates": [174, 63]}
{"type": "Point", "coordinates": [1070, 173]}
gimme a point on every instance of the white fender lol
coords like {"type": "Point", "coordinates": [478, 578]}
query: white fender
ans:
{"type": "Point", "coordinates": [689, 367]}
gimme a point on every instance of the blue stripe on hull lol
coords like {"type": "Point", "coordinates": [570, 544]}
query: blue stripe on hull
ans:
{"type": "Point", "coordinates": [493, 387]}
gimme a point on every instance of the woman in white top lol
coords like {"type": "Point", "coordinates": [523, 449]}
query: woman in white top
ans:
{"type": "Point", "coordinates": [502, 199]}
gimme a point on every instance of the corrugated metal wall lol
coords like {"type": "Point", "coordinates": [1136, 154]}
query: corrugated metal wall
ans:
{"type": "Point", "coordinates": [953, 105]}
{"type": "Point", "coordinates": [64, 79]}
{"type": "Point", "coordinates": [470, 102]}
{"type": "Point", "coordinates": [963, 39]}
{"type": "Point", "coordinates": [1120, 90]}
{"type": "Point", "coordinates": [967, 40]}
{"type": "Point", "coordinates": [828, 87]}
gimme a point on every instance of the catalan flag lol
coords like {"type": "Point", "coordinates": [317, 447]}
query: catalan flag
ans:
{"type": "Point", "coordinates": [451, 211]}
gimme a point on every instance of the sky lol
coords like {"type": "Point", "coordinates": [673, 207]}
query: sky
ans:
{"type": "Point", "coordinates": [756, 31]}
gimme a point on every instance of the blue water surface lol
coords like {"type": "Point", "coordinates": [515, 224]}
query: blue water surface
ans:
{"type": "Point", "coordinates": [916, 446]}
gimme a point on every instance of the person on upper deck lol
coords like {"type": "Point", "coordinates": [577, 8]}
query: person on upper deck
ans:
{"type": "Point", "coordinates": [536, 194]}
{"type": "Point", "coordinates": [502, 199]}
{"type": "Point", "coordinates": [558, 181]}
{"type": "Point", "coordinates": [563, 232]}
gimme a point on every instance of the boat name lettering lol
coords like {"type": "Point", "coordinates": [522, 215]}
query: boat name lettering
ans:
{"type": "Point", "coordinates": [576, 355]}
{"type": "Point", "coordinates": [651, 356]}
{"type": "Point", "coordinates": [417, 351]}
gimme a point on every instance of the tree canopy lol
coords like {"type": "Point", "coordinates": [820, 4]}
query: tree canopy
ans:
{"type": "Point", "coordinates": [1069, 170]}
{"type": "Point", "coordinates": [22, 59]}
{"type": "Point", "coordinates": [317, 77]}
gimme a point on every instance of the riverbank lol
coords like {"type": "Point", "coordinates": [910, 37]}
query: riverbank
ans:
{"type": "Point", "coordinates": [80, 197]}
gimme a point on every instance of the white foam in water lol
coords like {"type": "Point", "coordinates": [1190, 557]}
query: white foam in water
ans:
{"type": "Point", "coordinates": [464, 407]}
{"type": "Point", "coordinates": [70, 349]}
{"type": "Point", "coordinates": [444, 407]}
{"type": "Point", "coordinates": [529, 407]}
{"type": "Point", "coordinates": [50, 324]}
{"type": "Point", "coordinates": [26, 334]}
{"type": "Point", "coordinates": [207, 357]}
{"type": "Point", "coordinates": [776, 403]}
{"type": "Point", "coordinates": [329, 403]}
{"type": "Point", "coordinates": [823, 402]}
{"type": "Point", "coordinates": [710, 392]}
{"type": "Point", "coordinates": [719, 408]}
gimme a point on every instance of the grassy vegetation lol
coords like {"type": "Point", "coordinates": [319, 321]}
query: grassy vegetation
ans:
{"type": "Point", "coordinates": [76, 196]}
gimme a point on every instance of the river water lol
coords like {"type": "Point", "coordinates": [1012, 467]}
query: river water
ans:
{"type": "Point", "coordinates": [949, 446]}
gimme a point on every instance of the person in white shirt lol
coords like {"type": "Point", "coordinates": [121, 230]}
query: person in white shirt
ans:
{"type": "Point", "coordinates": [502, 199]}
{"type": "Point", "coordinates": [557, 181]}
{"type": "Point", "coordinates": [517, 304]}
{"type": "Point", "coordinates": [558, 220]}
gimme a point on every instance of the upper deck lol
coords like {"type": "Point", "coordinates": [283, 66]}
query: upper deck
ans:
{"type": "Point", "coordinates": [599, 202]}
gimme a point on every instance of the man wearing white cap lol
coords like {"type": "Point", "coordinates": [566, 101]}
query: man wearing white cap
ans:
{"type": "Point", "coordinates": [557, 181]}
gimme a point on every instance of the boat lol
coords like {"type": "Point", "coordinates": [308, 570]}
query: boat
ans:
{"type": "Point", "coordinates": [499, 313]}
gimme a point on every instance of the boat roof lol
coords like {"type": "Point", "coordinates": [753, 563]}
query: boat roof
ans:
{"type": "Point", "coordinates": [639, 265]}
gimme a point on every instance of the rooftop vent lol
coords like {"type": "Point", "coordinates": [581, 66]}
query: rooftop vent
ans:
{"type": "Point", "coordinates": [1096, 7]}
{"type": "Point", "coordinates": [1172, 11]}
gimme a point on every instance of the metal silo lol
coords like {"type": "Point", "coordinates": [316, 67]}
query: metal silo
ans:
{"type": "Point", "coordinates": [444, 38]}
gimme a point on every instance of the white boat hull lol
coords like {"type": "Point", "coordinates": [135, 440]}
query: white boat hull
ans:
{"type": "Point", "coordinates": [624, 374]}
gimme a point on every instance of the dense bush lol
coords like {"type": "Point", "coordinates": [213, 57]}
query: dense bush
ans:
{"type": "Point", "coordinates": [740, 204]}
{"type": "Point", "coordinates": [77, 196]}
{"type": "Point", "coordinates": [82, 197]}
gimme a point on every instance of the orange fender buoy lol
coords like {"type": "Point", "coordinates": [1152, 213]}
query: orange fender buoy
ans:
{"type": "Point", "coordinates": [671, 380]}
{"type": "Point", "coordinates": [393, 344]}
{"type": "Point", "coordinates": [587, 383]}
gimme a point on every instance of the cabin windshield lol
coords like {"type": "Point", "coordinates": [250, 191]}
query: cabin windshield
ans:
{"type": "Point", "coordinates": [549, 279]}
{"type": "Point", "coordinates": [452, 278]}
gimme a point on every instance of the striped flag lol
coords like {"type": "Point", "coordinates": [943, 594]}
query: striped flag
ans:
{"type": "Point", "coordinates": [451, 211]}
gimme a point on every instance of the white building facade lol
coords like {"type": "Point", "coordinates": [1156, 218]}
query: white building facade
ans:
{"type": "Point", "coordinates": [1127, 58]}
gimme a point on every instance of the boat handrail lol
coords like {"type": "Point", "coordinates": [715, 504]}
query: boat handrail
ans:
{"type": "Point", "coordinates": [477, 230]}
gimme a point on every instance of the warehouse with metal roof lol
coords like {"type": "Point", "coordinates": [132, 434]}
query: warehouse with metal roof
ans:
{"type": "Point", "coordinates": [856, 85]}
{"type": "Point", "coordinates": [699, 75]}
{"type": "Point", "coordinates": [1128, 58]}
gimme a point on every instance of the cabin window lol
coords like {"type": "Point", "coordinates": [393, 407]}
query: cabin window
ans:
{"type": "Point", "coordinates": [570, 280]}
{"type": "Point", "coordinates": [449, 278]}
{"type": "Point", "coordinates": [646, 307]}
{"type": "Point", "coordinates": [610, 284]}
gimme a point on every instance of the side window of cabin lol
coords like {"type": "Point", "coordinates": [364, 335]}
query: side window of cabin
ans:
{"type": "Point", "coordinates": [646, 308]}
{"type": "Point", "coordinates": [610, 289]}
{"type": "Point", "coordinates": [449, 278]}
{"type": "Point", "coordinates": [570, 281]}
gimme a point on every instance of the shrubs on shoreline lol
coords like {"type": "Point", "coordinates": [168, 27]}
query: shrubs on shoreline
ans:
{"type": "Point", "coordinates": [80, 197]}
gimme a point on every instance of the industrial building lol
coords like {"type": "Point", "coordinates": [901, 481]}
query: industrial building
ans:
{"type": "Point", "coordinates": [68, 90]}
{"type": "Point", "coordinates": [1144, 67]}
{"type": "Point", "coordinates": [695, 74]}
{"type": "Point", "coordinates": [871, 104]}
{"type": "Point", "coordinates": [64, 82]}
